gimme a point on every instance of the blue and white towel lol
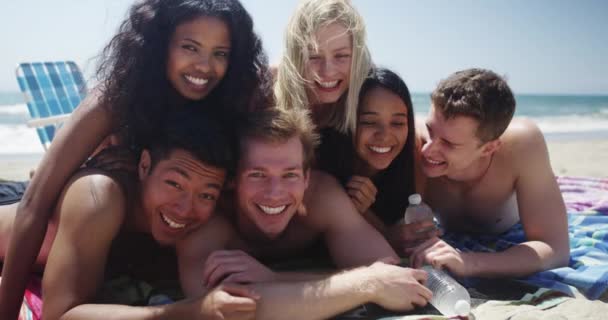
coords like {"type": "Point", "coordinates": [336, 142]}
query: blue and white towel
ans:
{"type": "Point", "coordinates": [587, 271]}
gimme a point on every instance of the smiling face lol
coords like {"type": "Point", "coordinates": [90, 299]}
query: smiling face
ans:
{"type": "Point", "coordinates": [270, 184]}
{"type": "Point", "coordinates": [452, 147]}
{"type": "Point", "coordinates": [328, 69]}
{"type": "Point", "coordinates": [177, 195]}
{"type": "Point", "coordinates": [198, 56]}
{"type": "Point", "coordinates": [382, 128]}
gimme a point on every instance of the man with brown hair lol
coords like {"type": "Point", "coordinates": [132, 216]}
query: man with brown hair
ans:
{"type": "Point", "coordinates": [279, 208]}
{"type": "Point", "coordinates": [485, 174]}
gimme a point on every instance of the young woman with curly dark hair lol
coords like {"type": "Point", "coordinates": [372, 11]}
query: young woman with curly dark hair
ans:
{"type": "Point", "coordinates": [167, 55]}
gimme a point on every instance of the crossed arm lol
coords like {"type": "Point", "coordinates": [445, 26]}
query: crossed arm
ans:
{"type": "Point", "coordinates": [204, 260]}
{"type": "Point", "coordinates": [392, 287]}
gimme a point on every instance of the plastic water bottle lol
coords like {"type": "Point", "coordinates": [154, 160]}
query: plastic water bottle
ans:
{"type": "Point", "coordinates": [417, 210]}
{"type": "Point", "coordinates": [449, 297]}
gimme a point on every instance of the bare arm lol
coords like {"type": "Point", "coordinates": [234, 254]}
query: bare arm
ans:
{"type": "Point", "coordinates": [193, 251]}
{"type": "Point", "coordinates": [78, 137]}
{"type": "Point", "coordinates": [350, 239]}
{"type": "Point", "coordinates": [226, 303]}
{"type": "Point", "coordinates": [542, 213]}
{"type": "Point", "coordinates": [91, 213]}
{"type": "Point", "coordinates": [392, 287]}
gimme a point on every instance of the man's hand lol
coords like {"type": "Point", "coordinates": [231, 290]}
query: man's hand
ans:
{"type": "Point", "coordinates": [441, 255]}
{"type": "Point", "coordinates": [362, 191]}
{"type": "Point", "coordinates": [397, 288]}
{"type": "Point", "coordinates": [406, 237]}
{"type": "Point", "coordinates": [229, 302]}
{"type": "Point", "coordinates": [234, 266]}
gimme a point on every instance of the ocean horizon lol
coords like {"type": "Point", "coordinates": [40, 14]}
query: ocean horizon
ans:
{"type": "Point", "coordinates": [560, 117]}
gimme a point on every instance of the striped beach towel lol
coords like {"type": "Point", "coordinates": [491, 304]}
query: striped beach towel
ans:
{"type": "Point", "coordinates": [31, 308]}
{"type": "Point", "coordinates": [587, 272]}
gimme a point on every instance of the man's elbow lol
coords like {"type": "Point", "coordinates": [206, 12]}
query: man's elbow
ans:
{"type": "Point", "coordinates": [559, 258]}
{"type": "Point", "coordinates": [562, 258]}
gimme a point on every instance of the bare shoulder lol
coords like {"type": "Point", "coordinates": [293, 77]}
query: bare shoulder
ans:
{"type": "Point", "coordinates": [524, 148]}
{"type": "Point", "coordinates": [523, 139]}
{"type": "Point", "coordinates": [321, 182]}
{"type": "Point", "coordinates": [217, 227]}
{"type": "Point", "coordinates": [92, 195]}
{"type": "Point", "coordinates": [215, 234]}
{"type": "Point", "coordinates": [327, 203]}
{"type": "Point", "coordinates": [523, 133]}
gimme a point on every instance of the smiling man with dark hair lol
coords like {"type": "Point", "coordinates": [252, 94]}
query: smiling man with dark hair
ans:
{"type": "Point", "coordinates": [486, 173]}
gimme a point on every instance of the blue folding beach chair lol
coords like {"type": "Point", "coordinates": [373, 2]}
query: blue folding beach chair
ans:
{"type": "Point", "coordinates": [52, 90]}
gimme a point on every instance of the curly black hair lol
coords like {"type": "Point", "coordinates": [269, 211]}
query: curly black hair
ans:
{"type": "Point", "coordinates": [132, 68]}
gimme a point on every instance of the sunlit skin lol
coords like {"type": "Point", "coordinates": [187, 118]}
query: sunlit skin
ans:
{"type": "Point", "coordinates": [381, 130]}
{"type": "Point", "coordinates": [270, 185]}
{"type": "Point", "coordinates": [453, 148]}
{"type": "Point", "coordinates": [328, 68]}
{"type": "Point", "coordinates": [177, 195]}
{"type": "Point", "coordinates": [198, 56]}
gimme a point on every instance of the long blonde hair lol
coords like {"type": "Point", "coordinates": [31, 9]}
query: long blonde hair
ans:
{"type": "Point", "coordinates": [309, 17]}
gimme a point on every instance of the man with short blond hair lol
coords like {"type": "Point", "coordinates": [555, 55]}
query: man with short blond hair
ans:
{"type": "Point", "coordinates": [278, 209]}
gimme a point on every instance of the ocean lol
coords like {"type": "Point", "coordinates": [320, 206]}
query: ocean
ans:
{"type": "Point", "coordinates": [560, 117]}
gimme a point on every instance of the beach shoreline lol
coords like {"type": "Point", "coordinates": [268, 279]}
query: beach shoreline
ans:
{"type": "Point", "coordinates": [569, 157]}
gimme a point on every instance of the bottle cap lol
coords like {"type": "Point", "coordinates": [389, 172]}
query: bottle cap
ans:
{"type": "Point", "coordinates": [462, 308]}
{"type": "Point", "coordinates": [414, 199]}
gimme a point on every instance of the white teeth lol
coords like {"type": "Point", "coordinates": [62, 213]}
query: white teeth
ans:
{"type": "Point", "coordinates": [197, 81]}
{"type": "Point", "coordinates": [380, 149]}
{"type": "Point", "coordinates": [433, 161]}
{"type": "Point", "coordinates": [272, 210]}
{"type": "Point", "coordinates": [172, 223]}
{"type": "Point", "coordinates": [329, 84]}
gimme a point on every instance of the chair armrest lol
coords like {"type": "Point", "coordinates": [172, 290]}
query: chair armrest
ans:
{"type": "Point", "coordinates": [53, 120]}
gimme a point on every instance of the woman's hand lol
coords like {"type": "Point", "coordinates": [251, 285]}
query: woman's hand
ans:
{"type": "Point", "coordinates": [362, 191]}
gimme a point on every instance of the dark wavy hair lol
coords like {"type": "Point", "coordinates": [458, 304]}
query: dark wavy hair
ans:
{"type": "Point", "coordinates": [132, 70]}
{"type": "Point", "coordinates": [396, 182]}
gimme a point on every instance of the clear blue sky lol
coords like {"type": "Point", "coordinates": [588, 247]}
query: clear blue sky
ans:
{"type": "Point", "coordinates": [542, 46]}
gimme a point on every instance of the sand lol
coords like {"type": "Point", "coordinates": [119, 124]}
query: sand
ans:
{"type": "Point", "coordinates": [17, 167]}
{"type": "Point", "coordinates": [568, 157]}
{"type": "Point", "coordinates": [580, 158]}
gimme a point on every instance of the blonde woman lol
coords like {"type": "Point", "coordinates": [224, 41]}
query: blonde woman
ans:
{"type": "Point", "coordinates": [325, 62]}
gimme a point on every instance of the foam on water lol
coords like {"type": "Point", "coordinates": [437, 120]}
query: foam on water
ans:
{"type": "Point", "coordinates": [14, 109]}
{"type": "Point", "coordinates": [13, 115]}
{"type": "Point", "coordinates": [573, 123]}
